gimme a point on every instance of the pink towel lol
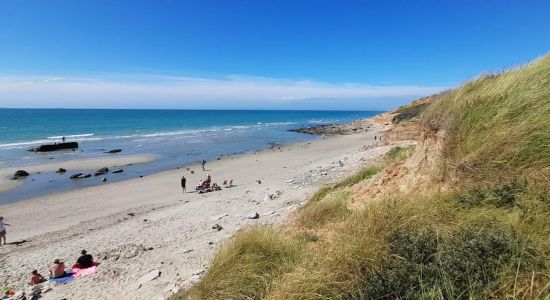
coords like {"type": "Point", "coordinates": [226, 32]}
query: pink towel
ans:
{"type": "Point", "coordinates": [84, 272]}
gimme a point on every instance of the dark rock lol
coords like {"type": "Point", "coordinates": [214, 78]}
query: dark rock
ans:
{"type": "Point", "coordinates": [114, 151]}
{"type": "Point", "coordinates": [54, 147]}
{"type": "Point", "coordinates": [104, 179]}
{"type": "Point", "coordinates": [118, 171]}
{"type": "Point", "coordinates": [60, 171]}
{"type": "Point", "coordinates": [218, 227]}
{"type": "Point", "coordinates": [102, 171]}
{"type": "Point", "coordinates": [80, 175]}
{"type": "Point", "coordinates": [20, 173]}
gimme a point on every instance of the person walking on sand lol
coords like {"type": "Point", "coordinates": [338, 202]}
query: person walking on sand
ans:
{"type": "Point", "coordinates": [3, 230]}
{"type": "Point", "coordinates": [203, 164]}
{"type": "Point", "coordinates": [183, 182]}
{"type": "Point", "coordinates": [63, 139]}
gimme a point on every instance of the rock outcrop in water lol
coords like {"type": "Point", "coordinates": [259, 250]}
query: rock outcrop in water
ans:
{"type": "Point", "coordinates": [20, 174]}
{"type": "Point", "coordinates": [54, 147]}
{"type": "Point", "coordinates": [336, 129]}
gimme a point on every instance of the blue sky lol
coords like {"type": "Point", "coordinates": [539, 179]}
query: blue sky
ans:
{"type": "Point", "coordinates": [256, 54]}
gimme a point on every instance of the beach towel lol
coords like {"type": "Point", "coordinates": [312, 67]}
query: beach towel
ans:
{"type": "Point", "coordinates": [77, 272]}
{"type": "Point", "coordinates": [63, 280]}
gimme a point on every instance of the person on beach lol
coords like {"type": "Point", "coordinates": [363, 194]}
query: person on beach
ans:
{"type": "Point", "coordinates": [63, 139]}
{"type": "Point", "coordinates": [183, 182]}
{"type": "Point", "coordinates": [3, 230]}
{"type": "Point", "coordinates": [36, 278]}
{"type": "Point", "coordinates": [57, 269]}
{"type": "Point", "coordinates": [85, 261]}
{"type": "Point", "coordinates": [203, 164]}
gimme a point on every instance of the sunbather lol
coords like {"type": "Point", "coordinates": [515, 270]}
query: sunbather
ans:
{"type": "Point", "coordinates": [36, 278]}
{"type": "Point", "coordinates": [57, 269]}
{"type": "Point", "coordinates": [85, 261]}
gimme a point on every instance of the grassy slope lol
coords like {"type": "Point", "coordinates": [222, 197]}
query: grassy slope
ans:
{"type": "Point", "coordinates": [487, 238]}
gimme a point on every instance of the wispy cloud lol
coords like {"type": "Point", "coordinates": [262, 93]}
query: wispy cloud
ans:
{"type": "Point", "coordinates": [154, 91]}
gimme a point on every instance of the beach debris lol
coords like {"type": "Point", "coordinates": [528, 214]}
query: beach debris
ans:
{"type": "Point", "coordinates": [80, 175]}
{"type": "Point", "coordinates": [131, 214]}
{"type": "Point", "coordinates": [104, 179]}
{"type": "Point", "coordinates": [254, 216]}
{"type": "Point", "coordinates": [102, 171]}
{"type": "Point", "coordinates": [147, 277]}
{"type": "Point", "coordinates": [114, 151]}
{"type": "Point", "coordinates": [60, 171]}
{"type": "Point", "coordinates": [187, 251]}
{"type": "Point", "coordinates": [218, 227]}
{"type": "Point", "coordinates": [117, 171]}
{"type": "Point", "coordinates": [20, 174]}
{"type": "Point", "coordinates": [340, 163]}
{"type": "Point", "coordinates": [17, 243]}
{"type": "Point", "coordinates": [258, 181]}
{"type": "Point", "coordinates": [218, 217]}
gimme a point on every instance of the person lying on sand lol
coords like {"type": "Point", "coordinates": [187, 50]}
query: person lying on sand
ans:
{"type": "Point", "coordinates": [3, 230]}
{"type": "Point", "coordinates": [36, 278]}
{"type": "Point", "coordinates": [85, 261]}
{"type": "Point", "coordinates": [57, 269]}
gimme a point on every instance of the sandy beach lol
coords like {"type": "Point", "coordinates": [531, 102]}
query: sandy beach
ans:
{"type": "Point", "coordinates": [147, 224]}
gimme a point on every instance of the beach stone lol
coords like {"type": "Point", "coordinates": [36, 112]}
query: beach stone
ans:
{"type": "Point", "coordinates": [114, 151]}
{"type": "Point", "coordinates": [102, 171]}
{"type": "Point", "coordinates": [60, 171]}
{"type": "Point", "coordinates": [118, 171]}
{"type": "Point", "coordinates": [340, 163]}
{"type": "Point", "coordinates": [80, 175]}
{"type": "Point", "coordinates": [218, 227]}
{"type": "Point", "coordinates": [147, 277]}
{"type": "Point", "coordinates": [254, 216]}
{"type": "Point", "coordinates": [20, 173]}
{"type": "Point", "coordinates": [103, 179]}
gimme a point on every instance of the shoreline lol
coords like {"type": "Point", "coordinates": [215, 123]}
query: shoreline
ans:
{"type": "Point", "coordinates": [119, 222]}
{"type": "Point", "coordinates": [6, 174]}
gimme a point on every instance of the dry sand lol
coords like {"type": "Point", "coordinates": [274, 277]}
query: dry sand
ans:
{"type": "Point", "coordinates": [147, 224]}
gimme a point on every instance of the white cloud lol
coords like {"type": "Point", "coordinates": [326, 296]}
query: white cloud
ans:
{"type": "Point", "coordinates": [154, 91]}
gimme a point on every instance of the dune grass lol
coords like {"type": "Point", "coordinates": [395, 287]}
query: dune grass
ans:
{"type": "Point", "coordinates": [485, 238]}
{"type": "Point", "coordinates": [248, 266]}
{"type": "Point", "coordinates": [498, 125]}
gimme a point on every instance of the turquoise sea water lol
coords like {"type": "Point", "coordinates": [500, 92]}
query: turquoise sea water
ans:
{"type": "Point", "coordinates": [175, 137]}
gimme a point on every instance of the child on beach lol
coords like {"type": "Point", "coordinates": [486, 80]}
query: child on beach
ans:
{"type": "Point", "coordinates": [36, 278]}
{"type": "Point", "coordinates": [3, 230]}
{"type": "Point", "coordinates": [203, 164]}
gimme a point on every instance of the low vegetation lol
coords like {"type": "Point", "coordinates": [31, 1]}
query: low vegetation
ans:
{"type": "Point", "coordinates": [485, 237]}
{"type": "Point", "coordinates": [409, 112]}
{"type": "Point", "coordinates": [399, 154]}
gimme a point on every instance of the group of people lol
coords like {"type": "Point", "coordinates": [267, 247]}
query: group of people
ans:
{"type": "Point", "coordinates": [58, 269]}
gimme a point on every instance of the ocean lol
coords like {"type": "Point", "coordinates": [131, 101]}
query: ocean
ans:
{"type": "Point", "coordinates": [174, 137]}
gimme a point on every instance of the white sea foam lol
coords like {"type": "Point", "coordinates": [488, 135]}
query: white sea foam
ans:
{"type": "Point", "coordinates": [72, 136]}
